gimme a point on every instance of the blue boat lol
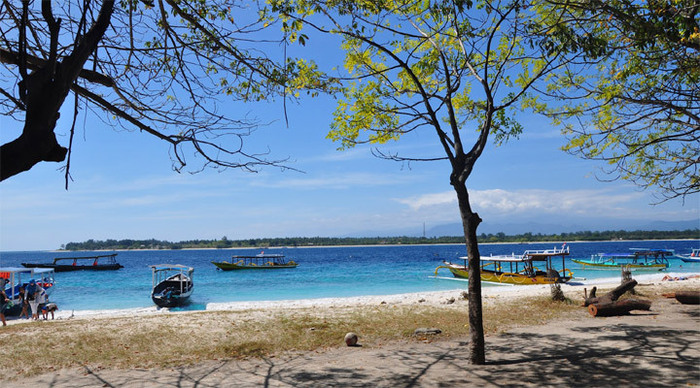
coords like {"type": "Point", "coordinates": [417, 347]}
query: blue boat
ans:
{"type": "Point", "coordinates": [14, 278]}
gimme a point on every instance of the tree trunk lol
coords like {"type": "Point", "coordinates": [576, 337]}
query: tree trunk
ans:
{"type": "Point", "coordinates": [685, 297]}
{"type": "Point", "coordinates": [620, 307]}
{"type": "Point", "coordinates": [470, 222]}
{"type": "Point", "coordinates": [610, 296]}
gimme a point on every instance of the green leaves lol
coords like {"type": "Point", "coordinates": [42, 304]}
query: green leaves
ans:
{"type": "Point", "coordinates": [636, 106]}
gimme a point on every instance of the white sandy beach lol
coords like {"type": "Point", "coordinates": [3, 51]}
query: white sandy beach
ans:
{"type": "Point", "coordinates": [489, 293]}
{"type": "Point", "coordinates": [660, 347]}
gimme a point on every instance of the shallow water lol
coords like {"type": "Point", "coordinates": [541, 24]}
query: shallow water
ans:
{"type": "Point", "coordinates": [327, 272]}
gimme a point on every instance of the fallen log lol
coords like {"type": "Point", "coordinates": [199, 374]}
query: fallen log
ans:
{"type": "Point", "coordinates": [611, 296]}
{"type": "Point", "coordinates": [620, 307]}
{"type": "Point", "coordinates": [688, 297]}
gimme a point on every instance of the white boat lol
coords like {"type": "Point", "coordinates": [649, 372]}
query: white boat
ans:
{"type": "Point", "coordinates": [693, 257]}
{"type": "Point", "coordinates": [172, 284]}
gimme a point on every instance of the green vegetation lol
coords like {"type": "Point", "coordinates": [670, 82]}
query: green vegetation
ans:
{"type": "Point", "coordinates": [91, 245]}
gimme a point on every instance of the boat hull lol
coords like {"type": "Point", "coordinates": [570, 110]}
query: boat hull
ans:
{"type": "Point", "coordinates": [66, 268]}
{"type": "Point", "coordinates": [508, 277]}
{"type": "Point", "coordinates": [690, 259]}
{"type": "Point", "coordinates": [635, 267]}
{"type": "Point", "coordinates": [174, 298]}
{"type": "Point", "coordinates": [224, 266]}
{"type": "Point", "coordinates": [178, 301]}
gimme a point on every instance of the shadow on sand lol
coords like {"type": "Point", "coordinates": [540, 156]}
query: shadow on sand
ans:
{"type": "Point", "coordinates": [594, 352]}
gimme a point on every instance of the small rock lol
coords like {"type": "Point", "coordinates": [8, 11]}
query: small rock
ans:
{"type": "Point", "coordinates": [427, 331]}
{"type": "Point", "coordinates": [351, 339]}
{"type": "Point", "coordinates": [421, 300]}
{"type": "Point", "coordinates": [464, 295]}
{"type": "Point", "coordinates": [450, 301]}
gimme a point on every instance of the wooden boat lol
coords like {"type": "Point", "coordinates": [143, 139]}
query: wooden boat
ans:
{"type": "Point", "coordinates": [14, 278]}
{"type": "Point", "coordinates": [11, 281]}
{"type": "Point", "coordinates": [92, 263]}
{"type": "Point", "coordinates": [172, 284]}
{"type": "Point", "coordinates": [693, 257]}
{"type": "Point", "coordinates": [261, 261]}
{"type": "Point", "coordinates": [523, 269]}
{"type": "Point", "coordinates": [637, 260]}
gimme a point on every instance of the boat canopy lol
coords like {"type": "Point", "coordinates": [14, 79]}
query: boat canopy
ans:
{"type": "Point", "coordinates": [258, 256]}
{"type": "Point", "coordinates": [619, 255]}
{"type": "Point", "coordinates": [529, 255]}
{"type": "Point", "coordinates": [501, 258]}
{"type": "Point", "coordinates": [110, 258]}
{"type": "Point", "coordinates": [8, 270]}
{"type": "Point", "coordinates": [164, 267]}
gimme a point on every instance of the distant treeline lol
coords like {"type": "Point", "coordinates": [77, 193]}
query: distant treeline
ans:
{"type": "Point", "coordinates": [92, 245]}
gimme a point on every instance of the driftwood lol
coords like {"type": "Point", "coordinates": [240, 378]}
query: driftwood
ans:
{"type": "Point", "coordinates": [685, 297]}
{"type": "Point", "coordinates": [620, 307]}
{"type": "Point", "coordinates": [610, 296]}
{"type": "Point", "coordinates": [608, 305]}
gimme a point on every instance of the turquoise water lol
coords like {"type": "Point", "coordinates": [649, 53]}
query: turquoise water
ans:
{"type": "Point", "coordinates": [322, 273]}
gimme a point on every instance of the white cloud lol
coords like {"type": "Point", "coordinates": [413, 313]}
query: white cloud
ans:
{"type": "Point", "coordinates": [534, 202]}
{"type": "Point", "coordinates": [430, 200]}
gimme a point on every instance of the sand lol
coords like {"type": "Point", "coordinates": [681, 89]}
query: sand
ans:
{"type": "Point", "coordinates": [658, 348]}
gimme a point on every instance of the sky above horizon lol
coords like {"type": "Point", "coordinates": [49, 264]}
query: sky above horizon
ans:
{"type": "Point", "coordinates": [124, 187]}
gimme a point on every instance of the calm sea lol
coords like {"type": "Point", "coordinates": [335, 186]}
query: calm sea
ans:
{"type": "Point", "coordinates": [322, 272]}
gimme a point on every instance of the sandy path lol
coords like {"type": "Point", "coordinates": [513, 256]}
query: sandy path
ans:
{"type": "Point", "coordinates": [659, 348]}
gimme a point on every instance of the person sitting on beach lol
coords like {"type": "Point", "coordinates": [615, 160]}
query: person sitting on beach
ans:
{"type": "Point", "coordinates": [49, 308]}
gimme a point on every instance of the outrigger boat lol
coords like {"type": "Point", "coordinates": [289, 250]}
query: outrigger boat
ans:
{"type": "Point", "coordinates": [172, 284]}
{"type": "Point", "coordinates": [11, 281]}
{"type": "Point", "coordinates": [693, 257]}
{"type": "Point", "coordinates": [638, 260]}
{"type": "Point", "coordinates": [92, 263]}
{"type": "Point", "coordinates": [512, 269]}
{"type": "Point", "coordinates": [261, 261]}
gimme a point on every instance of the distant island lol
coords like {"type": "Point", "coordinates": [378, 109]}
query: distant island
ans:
{"type": "Point", "coordinates": [224, 243]}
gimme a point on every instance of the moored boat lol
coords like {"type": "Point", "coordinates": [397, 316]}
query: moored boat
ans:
{"type": "Point", "coordinates": [518, 269]}
{"type": "Point", "coordinates": [14, 278]}
{"type": "Point", "coordinates": [91, 263]}
{"type": "Point", "coordinates": [637, 260]}
{"type": "Point", "coordinates": [172, 284]}
{"type": "Point", "coordinates": [693, 257]}
{"type": "Point", "coordinates": [261, 261]}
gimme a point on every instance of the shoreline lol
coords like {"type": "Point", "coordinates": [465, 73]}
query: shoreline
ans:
{"type": "Point", "coordinates": [352, 246]}
{"type": "Point", "coordinates": [493, 293]}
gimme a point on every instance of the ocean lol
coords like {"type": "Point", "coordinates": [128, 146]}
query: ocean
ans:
{"type": "Point", "coordinates": [323, 272]}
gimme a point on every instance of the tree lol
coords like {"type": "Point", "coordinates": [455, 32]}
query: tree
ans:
{"type": "Point", "coordinates": [160, 67]}
{"type": "Point", "coordinates": [634, 103]}
{"type": "Point", "coordinates": [456, 68]}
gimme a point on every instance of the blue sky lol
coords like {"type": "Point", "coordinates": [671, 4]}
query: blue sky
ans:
{"type": "Point", "coordinates": [124, 187]}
